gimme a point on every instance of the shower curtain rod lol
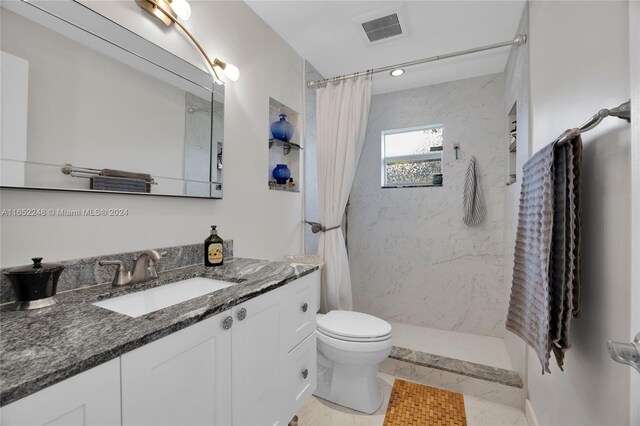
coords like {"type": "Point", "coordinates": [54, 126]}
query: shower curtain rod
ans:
{"type": "Point", "coordinates": [518, 41]}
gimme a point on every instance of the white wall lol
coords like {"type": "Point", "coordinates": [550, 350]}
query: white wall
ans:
{"type": "Point", "coordinates": [579, 53]}
{"type": "Point", "coordinates": [634, 48]}
{"type": "Point", "coordinates": [517, 92]}
{"type": "Point", "coordinates": [263, 223]}
{"type": "Point", "coordinates": [412, 258]}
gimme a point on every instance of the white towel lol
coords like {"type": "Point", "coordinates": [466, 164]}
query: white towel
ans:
{"type": "Point", "coordinates": [474, 211]}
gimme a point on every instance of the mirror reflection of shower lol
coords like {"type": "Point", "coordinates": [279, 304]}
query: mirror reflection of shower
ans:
{"type": "Point", "coordinates": [218, 110]}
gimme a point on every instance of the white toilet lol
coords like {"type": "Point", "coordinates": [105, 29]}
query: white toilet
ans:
{"type": "Point", "coordinates": [351, 346]}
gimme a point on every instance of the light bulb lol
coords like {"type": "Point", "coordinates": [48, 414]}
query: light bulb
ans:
{"type": "Point", "coordinates": [181, 8]}
{"type": "Point", "coordinates": [232, 72]}
{"type": "Point", "coordinates": [397, 72]}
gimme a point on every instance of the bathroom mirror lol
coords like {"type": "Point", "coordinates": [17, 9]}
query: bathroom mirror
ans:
{"type": "Point", "coordinates": [88, 105]}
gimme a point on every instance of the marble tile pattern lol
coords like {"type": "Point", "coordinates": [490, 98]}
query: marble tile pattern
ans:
{"type": "Point", "coordinates": [87, 271]}
{"type": "Point", "coordinates": [42, 347]}
{"type": "Point", "coordinates": [413, 260]}
{"type": "Point", "coordinates": [490, 391]}
{"type": "Point", "coordinates": [452, 365]}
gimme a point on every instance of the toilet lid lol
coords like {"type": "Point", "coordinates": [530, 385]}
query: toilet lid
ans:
{"type": "Point", "coordinates": [353, 326]}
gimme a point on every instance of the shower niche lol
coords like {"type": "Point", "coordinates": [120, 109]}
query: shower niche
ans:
{"type": "Point", "coordinates": [513, 144]}
{"type": "Point", "coordinates": [284, 149]}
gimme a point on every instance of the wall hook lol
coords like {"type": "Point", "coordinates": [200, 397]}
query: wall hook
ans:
{"type": "Point", "coordinates": [456, 147]}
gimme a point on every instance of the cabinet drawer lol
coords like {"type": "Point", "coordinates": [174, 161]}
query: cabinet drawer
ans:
{"type": "Point", "coordinates": [299, 309]}
{"type": "Point", "coordinates": [300, 377]}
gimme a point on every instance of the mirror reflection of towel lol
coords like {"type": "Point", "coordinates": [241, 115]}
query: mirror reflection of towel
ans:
{"type": "Point", "coordinates": [124, 174]}
{"type": "Point", "coordinates": [112, 183]}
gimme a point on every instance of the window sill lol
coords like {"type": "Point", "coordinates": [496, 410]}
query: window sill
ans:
{"type": "Point", "coordinates": [410, 186]}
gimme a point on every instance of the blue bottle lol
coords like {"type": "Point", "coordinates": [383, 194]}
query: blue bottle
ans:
{"type": "Point", "coordinates": [282, 129]}
{"type": "Point", "coordinates": [281, 173]}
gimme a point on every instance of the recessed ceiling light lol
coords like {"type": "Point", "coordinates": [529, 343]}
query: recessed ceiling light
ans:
{"type": "Point", "coordinates": [397, 72]}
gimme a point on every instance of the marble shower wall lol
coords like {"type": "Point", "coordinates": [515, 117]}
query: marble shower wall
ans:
{"type": "Point", "coordinates": [413, 260]}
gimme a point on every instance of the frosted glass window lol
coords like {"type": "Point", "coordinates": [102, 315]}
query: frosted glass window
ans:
{"type": "Point", "coordinates": [411, 157]}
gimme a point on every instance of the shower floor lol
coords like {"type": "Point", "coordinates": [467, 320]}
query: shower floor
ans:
{"type": "Point", "coordinates": [460, 362]}
{"type": "Point", "coordinates": [485, 350]}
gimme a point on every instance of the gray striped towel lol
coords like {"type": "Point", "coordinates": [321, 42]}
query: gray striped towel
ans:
{"type": "Point", "coordinates": [474, 211]}
{"type": "Point", "coordinates": [546, 271]}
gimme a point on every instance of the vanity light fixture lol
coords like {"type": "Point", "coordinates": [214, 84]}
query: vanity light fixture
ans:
{"type": "Point", "coordinates": [168, 11]}
{"type": "Point", "coordinates": [182, 8]}
{"type": "Point", "coordinates": [397, 72]}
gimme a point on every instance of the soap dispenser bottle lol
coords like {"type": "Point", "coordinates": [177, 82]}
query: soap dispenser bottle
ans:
{"type": "Point", "coordinates": [213, 249]}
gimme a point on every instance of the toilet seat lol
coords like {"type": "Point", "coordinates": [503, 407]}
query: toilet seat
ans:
{"type": "Point", "coordinates": [353, 327]}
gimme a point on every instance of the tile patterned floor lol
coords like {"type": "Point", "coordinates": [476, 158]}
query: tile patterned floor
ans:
{"type": "Point", "coordinates": [318, 412]}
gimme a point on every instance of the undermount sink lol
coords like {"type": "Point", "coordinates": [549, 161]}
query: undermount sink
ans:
{"type": "Point", "coordinates": [154, 299]}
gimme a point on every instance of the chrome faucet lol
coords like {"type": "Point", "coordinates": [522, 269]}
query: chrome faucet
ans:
{"type": "Point", "coordinates": [122, 277]}
{"type": "Point", "coordinates": [144, 268]}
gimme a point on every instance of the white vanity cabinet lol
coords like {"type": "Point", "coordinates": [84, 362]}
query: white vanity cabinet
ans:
{"type": "Point", "coordinates": [274, 353]}
{"type": "Point", "coordinates": [181, 379]}
{"type": "Point", "coordinates": [89, 398]}
{"type": "Point", "coordinates": [254, 364]}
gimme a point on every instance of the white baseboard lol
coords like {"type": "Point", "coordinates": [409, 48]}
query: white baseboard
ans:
{"type": "Point", "coordinates": [531, 415]}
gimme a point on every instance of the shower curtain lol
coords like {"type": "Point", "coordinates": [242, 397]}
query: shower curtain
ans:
{"type": "Point", "coordinates": [342, 114]}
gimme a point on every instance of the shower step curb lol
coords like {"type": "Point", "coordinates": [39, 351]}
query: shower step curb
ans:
{"type": "Point", "coordinates": [471, 369]}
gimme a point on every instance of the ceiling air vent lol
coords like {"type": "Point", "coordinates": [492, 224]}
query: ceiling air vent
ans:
{"type": "Point", "coordinates": [382, 25]}
{"type": "Point", "coordinates": [381, 28]}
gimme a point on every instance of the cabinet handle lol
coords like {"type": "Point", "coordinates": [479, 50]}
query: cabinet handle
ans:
{"type": "Point", "coordinates": [242, 314]}
{"type": "Point", "coordinates": [305, 373]}
{"type": "Point", "coordinates": [305, 307]}
{"type": "Point", "coordinates": [227, 322]}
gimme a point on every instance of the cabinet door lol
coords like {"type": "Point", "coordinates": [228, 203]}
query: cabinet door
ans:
{"type": "Point", "coordinates": [182, 379]}
{"type": "Point", "coordinates": [89, 398]}
{"type": "Point", "coordinates": [256, 361]}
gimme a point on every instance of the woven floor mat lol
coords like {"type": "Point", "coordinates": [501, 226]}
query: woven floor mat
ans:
{"type": "Point", "coordinates": [413, 404]}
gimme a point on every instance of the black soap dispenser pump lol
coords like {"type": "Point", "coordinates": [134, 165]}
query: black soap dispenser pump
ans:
{"type": "Point", "coordinates": [213, 251]}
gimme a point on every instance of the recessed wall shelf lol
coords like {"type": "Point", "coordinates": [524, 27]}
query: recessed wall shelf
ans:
{"type": "Point", "coordinates": [273, 185]}
{"type": "Point", "coordinates": [286, 146]}
{"type": "Point", "coordinates": [513, 144]}
{"type": "Point", "coordinates": [284, 152]}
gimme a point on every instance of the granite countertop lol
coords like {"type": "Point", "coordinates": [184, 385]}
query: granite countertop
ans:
{"type": "Point", "coordinates": [42, 347]}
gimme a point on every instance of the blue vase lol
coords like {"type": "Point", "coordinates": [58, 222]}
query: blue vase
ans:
{"type": "Point", "coordinates": [281, 173]}
{"type": "Point", "coordinates": [282, 129]}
